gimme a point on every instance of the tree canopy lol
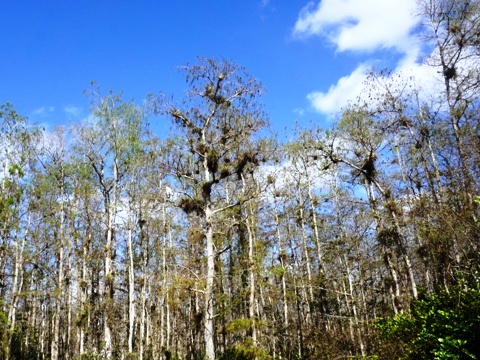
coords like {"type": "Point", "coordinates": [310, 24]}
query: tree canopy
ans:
{"type": "Point", "coordinates": [216, 241]}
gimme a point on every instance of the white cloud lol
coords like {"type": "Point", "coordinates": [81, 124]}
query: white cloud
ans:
{"type": "Point", "coordinates": [43, 111]}
{"type": "Point", "coordinates": [424, 78]}
{"type": "Point", "coordinates": [363, 25]}
{"type": "Point", "coordinates": [73, 111]}
{"type": "Point", "coordinates": [286, 176]}
{"type": "Point", "coordinates": [347, 88]}
{"type": "Point", "coordinates": [368, 26]}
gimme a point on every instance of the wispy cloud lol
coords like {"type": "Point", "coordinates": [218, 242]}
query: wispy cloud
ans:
{"type": "Point", "coordinates": [73, 111]}
{"type": "Point", "coordinates": [43, 111]}
{"type": "Point", "coordinates": [299, 111]}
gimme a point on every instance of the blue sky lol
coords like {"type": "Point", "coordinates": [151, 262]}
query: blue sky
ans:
{"type": "Point", "coordinates": [310, 56]}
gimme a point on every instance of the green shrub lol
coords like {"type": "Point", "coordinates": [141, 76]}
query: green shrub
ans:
{"type": "Point", "coordinates": [442, 326]}
{"type": "Point", "coordinates": [244, 351]}
{"type": "Point", "coordinates": [3, 335]}
{"type": "Point", "coordinates": [90, 355]}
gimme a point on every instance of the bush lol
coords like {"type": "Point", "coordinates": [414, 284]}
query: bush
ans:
{"type": "Point", "coordinates": [440, 326]}
{"type": "Point", "coordinates": [244, 351]}
{"type": "Point", "coordinates": [3, 335]}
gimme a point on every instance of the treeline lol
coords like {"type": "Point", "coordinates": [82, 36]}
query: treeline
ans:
{"type": "Point", "coordinates": [215, 241]}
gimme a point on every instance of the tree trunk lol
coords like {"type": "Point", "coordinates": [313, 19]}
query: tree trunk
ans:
{"type": "Point", "coordinates": [109, 277]}
{"type": "Point", "coordinates": [209, 310]}
{"type": "Point", "coordinates": [108, 291]}
{"type": "Point", "coordinates": [209, 331]}
{"type": "Point", "coordinates": [251, 262]}
{"type": "Point", "coordinates": [59, 283]}
{"type": "Point", "coordinates": [131, 293]}
{"type": "Point", "coordinates": [143, 292]}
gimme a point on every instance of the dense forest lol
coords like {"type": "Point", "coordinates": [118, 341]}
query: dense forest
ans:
{"type": "Point", "coordinates": [219, 241]}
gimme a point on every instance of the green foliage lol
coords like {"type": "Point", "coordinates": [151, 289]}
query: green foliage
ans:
{"type": "Point", "coordinates": [244, 351]}
{"type": "Point", "coordinates": [19, 351]}
{"type": "Point", "coordinates": [477, 200]}
{"type": "Point", "coordinates": [237, 325]}
{"type": "Point", "coordinates": [170, 356]}
{"type": "Point", "coordinates": [91, 355]}
{"type": "Point", "coordinates": [12, 344]}
{"type": "Point", "coordinates": [16, 169]}
{"type": "Point", "coordinates": [3, 334]}
{"type": "Point", "coordinates": [236, 353]}
{"type": "Point", "coordinates": [439, 326]}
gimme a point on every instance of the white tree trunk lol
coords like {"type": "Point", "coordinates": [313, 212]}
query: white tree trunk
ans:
{"type": "Point", "coordinates": [209, 310]}
{"type": "Point", "coordinates": [107, 333]}
{"type": "Point", "coordinates": [131, 293]}
{"type": "Point", "coordinates": [282, 263]}
{"type": "Point", "coordinates": [59, 285]}
{"type": "Point", "coordinates": [111, 208]}
{"type": "Point", "coordinates": [17, 280]}
{"type": "Point", "coordinates": [143, 293]}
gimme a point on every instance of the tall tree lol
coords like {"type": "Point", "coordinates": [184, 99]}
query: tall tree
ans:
{"type": "Point", "coordinates": [217, 122]}
{"type": "Point", "coordinates": [17, 138]}
{"type": "Point", "coordinates": [109, 144]}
